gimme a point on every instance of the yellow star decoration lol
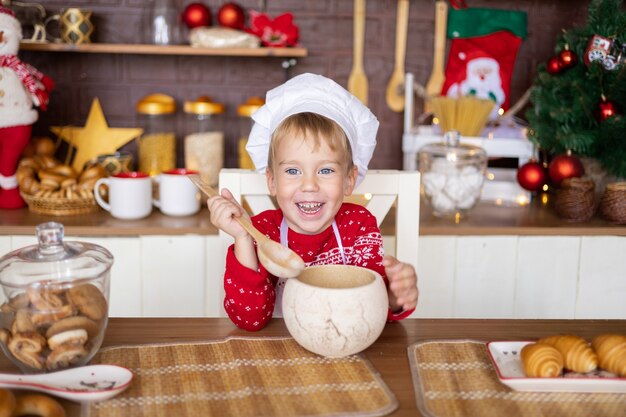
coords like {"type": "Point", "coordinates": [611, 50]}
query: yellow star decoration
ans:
{"type": "Point", "coordinates": [96, 138]}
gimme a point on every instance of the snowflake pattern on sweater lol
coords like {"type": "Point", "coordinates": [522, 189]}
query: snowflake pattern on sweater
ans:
{"type": "Point", "coordinates": [250, 295]}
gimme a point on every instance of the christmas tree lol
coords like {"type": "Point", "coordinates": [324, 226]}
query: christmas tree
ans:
{"type": "Point", "coordinates": [579, 94]}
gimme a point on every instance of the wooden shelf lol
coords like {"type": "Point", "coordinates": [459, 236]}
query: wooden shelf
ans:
{"type": "Point", "coordinates": [118, 48]}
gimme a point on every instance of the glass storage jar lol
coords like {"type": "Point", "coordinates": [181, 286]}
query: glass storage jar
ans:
{"type": "Point", "coordinates": [157, 144]}
{"type": "Point", "coordinates": [452, 175]}
{"type": "Point", "coordinates": [204, 138]}
{"type": "Point", "coordinates": [56, 308]}
{"type": "Point", "coordinates": [161, 24]}
{"type": "Point", "coordinates": [245, 111]}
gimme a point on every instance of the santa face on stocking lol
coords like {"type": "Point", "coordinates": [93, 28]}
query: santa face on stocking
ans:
{"type": "Point", "coordinates": [21, 87]}
{"type": "Point", "coordinates": [482, 81]}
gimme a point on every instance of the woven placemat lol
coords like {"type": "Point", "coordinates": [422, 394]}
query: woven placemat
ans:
{"type": "Point", "coordinates": [457, 379]}
{"type": "Point", "coordinates": [243, 377]}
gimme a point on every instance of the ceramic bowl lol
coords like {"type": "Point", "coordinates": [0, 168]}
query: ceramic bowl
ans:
{"type": "Point", "coordinates": [335, 310]}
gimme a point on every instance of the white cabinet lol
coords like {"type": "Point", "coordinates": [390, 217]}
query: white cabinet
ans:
{"type": "Point", "coordinates": [537, 277]}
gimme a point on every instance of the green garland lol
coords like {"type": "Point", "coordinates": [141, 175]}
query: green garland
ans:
{"type": "Point", "coordinates": [564, 105]}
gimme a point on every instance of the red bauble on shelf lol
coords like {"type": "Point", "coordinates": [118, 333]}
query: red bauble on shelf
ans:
{"type": "Point", "coordinates": [606, 109]}
{"type": "Point", "coordinates": [565, 166]}
{"type": "Point", "coordinates": [196, 15]}
{"type": "Point", "coordinates": [531, 176]}
{"type": "Point", "coordinates": [231, 15]}
{"type": "Point", "coordinates": [567, 58]}
{"type": "Point", "coordinates": [553, 66]}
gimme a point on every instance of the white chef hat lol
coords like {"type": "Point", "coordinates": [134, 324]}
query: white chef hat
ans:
{"type": "Point", "coordinates": [315, 94]}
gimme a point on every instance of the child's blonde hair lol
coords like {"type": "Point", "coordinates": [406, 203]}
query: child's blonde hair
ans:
{"type": "Point", "coordinates": [312, 127]}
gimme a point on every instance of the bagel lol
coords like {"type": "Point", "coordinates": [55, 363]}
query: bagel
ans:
{"type": "Point", "coordinates": [29, 185]}
{"type": "Point", "coordinates": [29, 162]}
{"type": "Point", "coordinates": [45, 161]}
{"type": "Point", "coordinates": [88, 184]}
{"type": "Point", "coordinates": [64, 170]}
{"type": "Point", "coordinates": [43, 145]}
{"type": "Point", "coordinates": [7, 403]}
{"type": "Point", "coordinates": [37, 405]}
{"type": "Point", "coordinates": [68, 182]}
{"type": "Point", "coordinates": [24, 172]}
{"type": "Point", "coordinates": [95, 171]}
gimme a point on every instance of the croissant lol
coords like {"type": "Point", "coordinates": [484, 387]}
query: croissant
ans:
{"type": "Point", "coordinates": [611, 350]}
{"type": "Point", "coordinates": [541, 361]}
{"type": "Point", "coordinates": [577, 354]}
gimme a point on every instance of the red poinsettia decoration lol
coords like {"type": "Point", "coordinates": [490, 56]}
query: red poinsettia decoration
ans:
{"type": "Point", "coordinates": [280, 31]}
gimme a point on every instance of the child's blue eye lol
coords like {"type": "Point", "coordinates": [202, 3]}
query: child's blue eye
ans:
{"type": "Point", "coordinates": [292, 171]}
{"type": "Point", "coordinates": [326, 171]}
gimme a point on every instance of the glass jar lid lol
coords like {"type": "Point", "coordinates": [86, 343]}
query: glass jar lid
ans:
{"type": "Point", "coordinates": [52, 259]}
{"type": "Point", "coordinates": [251, 105]}
{"type": "Point", "coordinates": [203, 105]}
{"type": "Point", "coordinates": [452, 150]}
{"type": "Point", "coordinates": [155, 104]}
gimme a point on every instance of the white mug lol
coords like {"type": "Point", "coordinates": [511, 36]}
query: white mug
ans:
{"type": "Point", "coordinates": [178, 196]}
{"type": "Point", "coordinates": [130, 195]}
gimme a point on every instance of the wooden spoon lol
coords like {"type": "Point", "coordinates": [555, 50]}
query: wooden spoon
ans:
{"type": "Point", "coordinates": [394, 94]}
{"type": "Point", "coordinates": [437, 76]}
{"type": "Point", "coordinates": [357, 81]}
{"type": "Point", "coordinates": [279, 260]}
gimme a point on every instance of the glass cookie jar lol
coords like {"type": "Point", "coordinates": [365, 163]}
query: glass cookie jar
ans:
{"type": "Point", "coordinates": [56, 296]}
{"type": "Point", "coordinates": [453, 175]}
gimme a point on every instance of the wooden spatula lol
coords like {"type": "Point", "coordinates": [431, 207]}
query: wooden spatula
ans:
{"type": "Point", "coordinates": [437, 76]}
{"type": "Point", "coordinates": [357, 81]}
{"type": "Point", "coordinates": [395, 93]}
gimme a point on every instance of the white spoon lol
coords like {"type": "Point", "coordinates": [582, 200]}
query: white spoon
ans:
{"type": "Point", "coordinates": [85, 383]}
{"type": "Point", "coordinates": [279, 260]}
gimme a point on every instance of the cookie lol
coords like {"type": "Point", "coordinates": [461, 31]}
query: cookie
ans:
{"type": "Point", "coordinates": [88, 299]}
{"type": "Point", "coordinates": [74, 323]}
{"type": "Point", "coordinates": [65, 355]}
{"type": "Point", "coordinates": [52, 316]}
{"type": "Point", "coordinates": [74, 337]}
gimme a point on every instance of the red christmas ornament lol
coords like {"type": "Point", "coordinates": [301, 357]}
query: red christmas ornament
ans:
{"type": "Point", "coordinates": [567, 59]}
{"type": "Point", "coordinates": [531, 176]}
{"type": "Point", "coordinates": [553, 66]}
{"type": "Point", "coordinates": [606, 109]}
{"type": "Point", "coordinates": [231, 15]}
{"type": "Point", "coordinates": [565, 166]}
{"type": "Point", "coordinates": [196, 15]}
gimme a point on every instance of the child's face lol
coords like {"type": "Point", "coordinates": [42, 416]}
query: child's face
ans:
{"type": "Point", "coordinates": [309, 185]}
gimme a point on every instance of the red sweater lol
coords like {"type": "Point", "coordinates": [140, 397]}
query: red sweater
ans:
{"type": "Point", "coordinates": [250, 295]}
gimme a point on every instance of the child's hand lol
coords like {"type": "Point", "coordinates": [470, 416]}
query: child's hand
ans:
{"type": "Point", "coordinates": [403, 292]}
{"type": "Point", "coordinates": [223, 209]}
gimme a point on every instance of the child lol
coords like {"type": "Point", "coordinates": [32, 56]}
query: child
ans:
{"type": "Point", "coordinates": [314, 141]}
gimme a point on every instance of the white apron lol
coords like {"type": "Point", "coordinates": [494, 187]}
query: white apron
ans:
{"type": "Point", "coordinates": [278, 306]}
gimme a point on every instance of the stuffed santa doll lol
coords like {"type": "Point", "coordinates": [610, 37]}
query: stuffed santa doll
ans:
{"type": "Point", "coordinates": [21, 87]}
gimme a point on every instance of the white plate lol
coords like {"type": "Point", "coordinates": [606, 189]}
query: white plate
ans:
{"type": "Point", "coordinates": [505, 357]}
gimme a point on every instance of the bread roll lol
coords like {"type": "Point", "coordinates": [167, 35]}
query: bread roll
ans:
{"type": "Point", "coordinates": [541, 361]}
{"type": "Point", "coordinates": [611, 350]}
{"type": "Point", "coordinates": [577, 354]}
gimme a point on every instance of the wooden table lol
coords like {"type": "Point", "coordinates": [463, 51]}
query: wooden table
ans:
{"type": "Point", "coordinates": [388, 354]}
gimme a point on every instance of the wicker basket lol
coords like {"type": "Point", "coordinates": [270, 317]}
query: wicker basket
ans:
{"type": "Point", "coordinates": [60, 206]}
{"type": "Point", "coordinates": [575, 200]}
{"type": "Point", "coordinates": [613, 203]}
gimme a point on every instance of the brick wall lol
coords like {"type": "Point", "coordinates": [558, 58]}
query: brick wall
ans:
{"type": "Point", "coordinates": [119, 81]}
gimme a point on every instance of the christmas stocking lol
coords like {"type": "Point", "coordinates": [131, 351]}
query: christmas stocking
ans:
{"type": "Point", "coordinates": [482, 52]}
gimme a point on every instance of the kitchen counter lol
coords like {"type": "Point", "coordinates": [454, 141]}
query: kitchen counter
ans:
{"type": "Point", "coordinates": [485, 219]}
